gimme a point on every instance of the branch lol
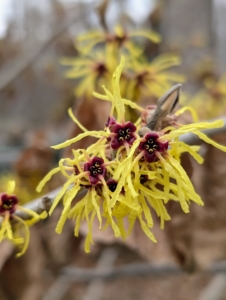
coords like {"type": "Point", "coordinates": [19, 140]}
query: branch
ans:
{"type": "Point", "coordinates": [44, 203]}
{"type": "Point", "coordinates": [134, 269]}
{"type": "Point", "coordinates": [129, 270]}
{"type": "Point", "coordinates": [61, 285]}
{"type": "Point", "coordinates": [9, 73]}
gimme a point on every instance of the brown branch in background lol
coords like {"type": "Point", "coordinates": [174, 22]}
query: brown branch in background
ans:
{"type": "Point", "coordinates": [133, 269]}
{"type": "Point", "coordinates": [43, 203]}
{"type": "Point", "coordinates": [19, 65]}
{"type": "Point", "coordinates": [101, 10]}
{"type": "Point", "coordinates": [95, 288]}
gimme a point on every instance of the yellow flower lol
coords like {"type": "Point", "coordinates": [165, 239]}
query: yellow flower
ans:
{"type": "Point", "coordinates": [8, 206]}
{"type": "Point", "coordinates": [91, 70]}
{"type": "Point", "coordinates": [210, 101]}
{"type": "Point", "coordinates": [124, 173]}
{"type": "Point", "coordinates": [119, 39]}
{"type": "Point", "coordinates": [23, 189]}
{"type": "Point", "coordinates": [94, 65]}
{"type": "Point", "coordinates": [154, 78]}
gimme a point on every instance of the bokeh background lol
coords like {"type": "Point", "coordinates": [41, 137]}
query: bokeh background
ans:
{"type": "Point", "coordinates": [38, 44]}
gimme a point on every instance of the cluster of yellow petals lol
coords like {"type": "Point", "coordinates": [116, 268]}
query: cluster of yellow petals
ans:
{"type": "Point", "coordinates": [87, 41]}
{"type": "Point", "coordinates": [98, 55]}
{"type": "Point", "coordinates": [210, 101]}
{"type": "Point", "coordinates": [156, 75]}
{"type": "Point", "coordinates": [132, 199]}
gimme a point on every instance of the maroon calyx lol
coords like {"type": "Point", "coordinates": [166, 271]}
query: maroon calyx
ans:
{"type": "Point", "coordinates": [122, 133]}
{"type": "Point", "coordinates": [100, 68]}
{"type": "Point", "coordinates": [119, 39]}
{"type": "Point", "coordinates": [96, 169]}
{"type": "Point", "coordinates": [76, 170]}
{"type": "Point", "coordinates": [143, 178]}
{"type": "Point", "coordinates": [110, 122]}
{"type": "Point", "coordinates": [8, 203]}
{"type": "Point", "coordinates": [150, 145]}
{"type": "Point", "coordinates": [112, 184]}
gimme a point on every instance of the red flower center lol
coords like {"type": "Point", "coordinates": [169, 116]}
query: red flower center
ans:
{"type": "Point", "coordinates": [124, 134]}
{"type": "Point", "coordinates": [100, 68]}
{"type": "Point", "coordinates": [8, 204]}
{"type": "Point", "coordinates": [151, 145]}
{"type": "Point", "coordinates": [143, 178]}
{"type": "Point", "coordinates": [96, 169]}
{"type": "Point", "coordinates": [112, 184]}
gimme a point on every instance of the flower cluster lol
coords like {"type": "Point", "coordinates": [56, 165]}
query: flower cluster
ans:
{"type": "Point", "coordinates": [118, 39]}
{"type": "Point", "coordinates": [210, 101]}
{"type": "Point", "coordinates": [127, 176]}
{"type": "Point", "coordinates": [98, 55]}
{"type": "Point", "coordinates": [10, 223]}
{"type": "Point", "coordinates": [152, 78]}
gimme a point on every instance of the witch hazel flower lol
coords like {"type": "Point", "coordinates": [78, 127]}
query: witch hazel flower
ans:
{"type": "Point", "coordinates": [122, 134]}
{"type": "Point", "coordinates": [151, 146]}
{"type": "Point", "coordinates": [96, 170]}
{"type": "Point", "coordinates": [132, 170]}
{"type": "Point", "coordinates": [11, 223]}
{"type": "Point", "coordinates": [91, 173]}
{"type": "Point", "coordinates": [8, 203]}
{"type": "Point", "coordinates": [119, 38]}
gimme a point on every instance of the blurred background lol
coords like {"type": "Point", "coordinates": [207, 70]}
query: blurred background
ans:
{"type": "Point", "coordinates": [53, 55]}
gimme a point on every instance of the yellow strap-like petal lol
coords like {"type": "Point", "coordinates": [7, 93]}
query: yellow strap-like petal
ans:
{"type": "Point", "coordinates": [96, 134]}
{"type": "Point", "coordinates": [10, 187]}
{"type": "Point", "coordinates": [46, 179]}
{"type": "Point", "coordinates": [70, 112]}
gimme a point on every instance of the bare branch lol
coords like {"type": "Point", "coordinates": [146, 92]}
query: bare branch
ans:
{"type": "Point", "coordinates": [134, 269]}
{"type": "Point", "coordinates": [61, 285]}
{"type": "Point", "coordinates": [43, 203]}
{"type": "Point", "coordinates": [129, 270]}
{"type": "Point", "coordinates": [9, 73]}
{"type": "Point", "coordinates": [96, 286]}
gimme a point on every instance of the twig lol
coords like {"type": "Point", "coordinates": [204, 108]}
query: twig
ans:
{"type": "Point", "coordinates": [134, 269]}
{"type": "Point", "coordinates": [8, 74]}
{"type": "Point", "coordinates": [61, 285]}
{"type": "Point", "coordinates": [43, 203]}
{"type": "Point", "coordinates": [129, 270]}
{"type": "Point", "coordinates": [96, 286]}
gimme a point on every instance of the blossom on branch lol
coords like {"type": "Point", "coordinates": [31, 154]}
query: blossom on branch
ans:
{"type": "Point", "coordinates": [13, 227]}
{"type": "Point", "coordinates": [128, 175]}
